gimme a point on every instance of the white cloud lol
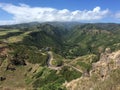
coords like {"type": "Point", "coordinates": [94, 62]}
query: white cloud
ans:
{"type": "Point", "coordinates": [117, 15]}
{"type": "Point", "coordinates": [24, 13]}
{"type": "Point", "coordinates": [8, 22]}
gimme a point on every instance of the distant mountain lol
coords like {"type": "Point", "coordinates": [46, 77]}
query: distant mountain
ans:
{"type": "Point", "coordinates": [79, 38]}
{"type": "Point", "coordinates": [55, 24]}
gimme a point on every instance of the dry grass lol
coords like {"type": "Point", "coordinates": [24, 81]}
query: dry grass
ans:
{"type": "Point", "coordinates": [14, 39]}
{"type": "Point", "coordinates": [8, 31]}
{"type": "Point", "coordinates": [16, 80]}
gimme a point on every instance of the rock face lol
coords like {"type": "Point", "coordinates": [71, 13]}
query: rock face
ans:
{"type": "Point", "coordinates": [100, 73]}
{"type": "Point", "coordinates": [108, 62]}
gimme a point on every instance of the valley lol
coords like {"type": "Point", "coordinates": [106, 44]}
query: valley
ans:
{"type": "Point", "coordinates": [60, 56]}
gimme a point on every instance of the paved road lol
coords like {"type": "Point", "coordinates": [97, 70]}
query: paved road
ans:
{"type": "Point", "coordinates": [49, 62]}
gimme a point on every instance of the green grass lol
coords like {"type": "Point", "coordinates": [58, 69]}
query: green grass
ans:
{"type": "Point", "coordinates": [69, 73]}
{"type": "Point", "coordinates": [30, 54]}
{"type": "Point", "coordinates": [57, 60]}
{"type": "Point", "coordinates": [84, 65]}
{"type": "Point", "coordinates": [45, 77]}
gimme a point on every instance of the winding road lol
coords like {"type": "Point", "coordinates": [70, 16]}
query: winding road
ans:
{"type": "Point", "coordinates": [49, 62]}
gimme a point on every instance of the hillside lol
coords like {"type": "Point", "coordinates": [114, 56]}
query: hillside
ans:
{"type": "Point", "coordinates": [60, 56]}
{"type": "Point", "coordinates": [90, 38]}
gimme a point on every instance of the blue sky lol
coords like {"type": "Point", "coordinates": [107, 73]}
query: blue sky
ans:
{"type": "Point", "coordinates": [20, 11]}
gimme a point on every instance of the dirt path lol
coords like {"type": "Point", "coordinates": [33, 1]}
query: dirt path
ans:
{"type": "Point", "coordinates": [74, 68]}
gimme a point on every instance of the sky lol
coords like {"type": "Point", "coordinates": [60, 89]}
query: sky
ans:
{"type": "Point", "coordinates": [89, 11]}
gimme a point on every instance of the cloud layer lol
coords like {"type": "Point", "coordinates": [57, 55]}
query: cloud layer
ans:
{"type": "Point", "coordinates": [24, 13]}
{"type": "Point", "coordinates": [117, 15]}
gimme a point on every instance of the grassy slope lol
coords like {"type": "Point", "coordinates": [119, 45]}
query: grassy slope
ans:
{"type": "Point", "coordinates": [84, 40]}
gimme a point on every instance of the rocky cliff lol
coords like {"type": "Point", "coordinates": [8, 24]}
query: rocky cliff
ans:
{"type": "Point", "coordinates": [105, 74]}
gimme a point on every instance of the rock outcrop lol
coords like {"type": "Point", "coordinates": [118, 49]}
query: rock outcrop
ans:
{"type": "Point", "coordinates": [104, 74]}
{"type": "Point", "coordinates": [108, 62]}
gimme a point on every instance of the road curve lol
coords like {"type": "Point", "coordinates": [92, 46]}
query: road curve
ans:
{"type": "Point", "coordinates": [49, 62]}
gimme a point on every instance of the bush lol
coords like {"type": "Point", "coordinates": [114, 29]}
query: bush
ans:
{"type": "Point", "coordinates": [31, 54]}
{"type": "Point", "coordinates": [70, 74]}
{"type": "Point", "coordinates": [84, 65]}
